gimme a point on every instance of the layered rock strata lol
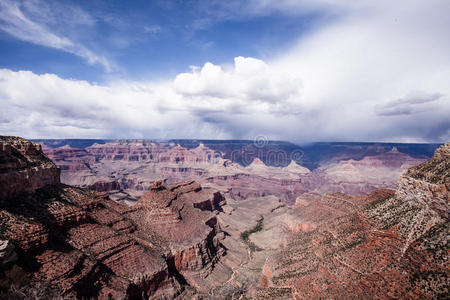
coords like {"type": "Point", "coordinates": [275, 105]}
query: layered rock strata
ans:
{"type": "Point", "coordinates": [136, 164]}
{"type": "Point", "coordinates": [85, 245]}
{"type": "Point", "coordinates": [24, 167]}
{"type": "Point", "coordinates": [393, 245]}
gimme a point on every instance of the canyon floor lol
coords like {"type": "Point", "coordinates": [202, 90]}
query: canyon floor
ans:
{"type": "Point", "coordinates": [153, 220]}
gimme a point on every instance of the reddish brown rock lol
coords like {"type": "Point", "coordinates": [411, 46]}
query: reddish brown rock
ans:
{"type": "Point", "coordinates": [136, 164]}
{"type": "Point", "coordinates": [390, 244]}
{"type": "Point", "coordinates": [394, 244]}
{"type": "Point", "coordinates": [85, 245]}
{"type": "Point", "coordinates": [157, 185]}
{"type": "Point", "coordinates": [70, 159]}
{"type": "Point", "coordinates": [23, 167]}
{"type": "Point", "coordinates": [131, 150]}
{"type": "Point", "coordinates": [105, 186]}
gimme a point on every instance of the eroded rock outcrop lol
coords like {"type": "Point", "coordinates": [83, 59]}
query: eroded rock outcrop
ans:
{"type": "Point", "coordinates": [394, 244]}
{"type": "Point", "coordinates": [70, 159]}
{"type": "Point", "coordinates": [181, 215]}
{"type": "Point", "coordinates": [24, 167]}
{"type": "Point", "coordinates": [85, 245]}
{"type": "Point", "coordinates": [105, 186]}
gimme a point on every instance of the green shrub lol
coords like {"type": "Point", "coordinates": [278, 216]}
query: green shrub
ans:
{"type": "Point", "coordinates": [259, 226]}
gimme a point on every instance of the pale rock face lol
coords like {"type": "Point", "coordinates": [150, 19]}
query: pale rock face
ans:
{"type": "Point", "coordinates": [7, 254]}
{"type": "Point", "coordinates": [10, 273]}
{"type": "Point", "coordinates": [427, 187]}
{"type": "Point", "coordinates": [377, 169]}
{"type": "Point", "coordinates": [292, 171]}
{"type": "Point", "coordinates": [293, 167]}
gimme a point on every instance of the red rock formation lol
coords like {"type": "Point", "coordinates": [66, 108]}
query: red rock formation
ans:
{"type": "Point", "coordinates": [104, 186]}
{"type": "Point", "coordinates": [181, 215]}
{"type": "Point", "coordinates": [70, 159]}
{"type": "Point", "coordinates": [23, 167]}
{"type": "Point", "coordinates": [85, 245]}
{"type": "Point", "coordinates": [391, 245]}
{"type": "Point", "coordinates": [131, 150]}
{"type": "Point", "coordinates": [142, 150]}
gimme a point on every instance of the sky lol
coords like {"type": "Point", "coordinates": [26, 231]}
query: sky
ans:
{"type": "Point", "coordinates": [295, 70]}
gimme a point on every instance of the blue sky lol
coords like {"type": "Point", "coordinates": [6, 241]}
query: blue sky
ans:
{"type": "Point", "coordinates": [147, 39]}
{"type": "Point", "coordinates": [296, 70]}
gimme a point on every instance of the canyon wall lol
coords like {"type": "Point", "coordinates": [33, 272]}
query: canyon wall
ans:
{"type": "Point", "coordinates": [392, 244]}
{"type": "Point", "coordinates": [78, 243]}
{"type": "Point", "coordinates": [127, 168]}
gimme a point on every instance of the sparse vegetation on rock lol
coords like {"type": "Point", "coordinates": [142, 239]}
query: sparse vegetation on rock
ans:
{"type": "Point", "coordinates": [258, 227]}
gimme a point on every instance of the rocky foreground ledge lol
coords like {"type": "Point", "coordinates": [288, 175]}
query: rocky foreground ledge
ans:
{"type": "Point", "coordinates": [57, 240]}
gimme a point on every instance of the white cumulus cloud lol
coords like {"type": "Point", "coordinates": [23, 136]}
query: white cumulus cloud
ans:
{"type": "Point", "coordinates": [379, 72]}
{"type": "Point", "coordinates": [251, 80]}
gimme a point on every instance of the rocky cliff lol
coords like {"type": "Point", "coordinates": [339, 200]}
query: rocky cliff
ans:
{"type": "Point", "coordinates": [84, 245]}
{"type": "Point", "coordinates": [23, 167]}
{"type": "Point", "coordinates": [394, 244]}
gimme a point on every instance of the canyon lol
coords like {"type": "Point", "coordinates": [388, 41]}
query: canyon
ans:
{"type": "Point", "coordinates": [127, 168]}
{"type": "Point", "coordinates": [140, 219]}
